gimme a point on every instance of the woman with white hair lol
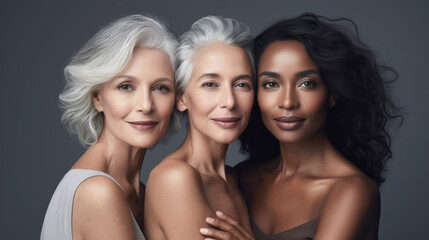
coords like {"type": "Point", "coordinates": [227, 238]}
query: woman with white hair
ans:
{"type": "Point", "coordinates": [214, 89]}
{"type": "Point", "coordinates": [118, 99]}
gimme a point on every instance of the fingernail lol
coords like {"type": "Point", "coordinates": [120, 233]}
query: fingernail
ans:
{"type": "Point", "coordinates": [204, 230]}
{"type": "Point", "coordinates": [209, 219]}
{"type": "Point", "coordinates": [219, 212]}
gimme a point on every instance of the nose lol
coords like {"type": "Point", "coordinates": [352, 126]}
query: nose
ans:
{"type": "Point", "coordinates": [289, 99]}
{"type": "Point", "coordinates": [145, 102]}
{"type": "Point", "coordinates": [227, 98]}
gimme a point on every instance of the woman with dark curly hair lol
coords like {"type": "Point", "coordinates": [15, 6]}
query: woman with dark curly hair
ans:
{"type": "Point", "coordinates": [318, 139]}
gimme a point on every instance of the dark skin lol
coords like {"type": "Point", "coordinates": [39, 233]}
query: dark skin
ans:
{"type": "Point", "coordinates": [310, 180]}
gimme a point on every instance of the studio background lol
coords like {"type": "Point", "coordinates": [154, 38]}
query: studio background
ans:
{"type": "Point", "coordinates": [37, 39]}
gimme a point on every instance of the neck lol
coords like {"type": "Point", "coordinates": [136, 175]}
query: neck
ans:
{"type": "Point", "coordinates": [302, 157]}
{"type": "Point", "coordinates": [123, 161]}
{"type": "Point", "coordinates": [205, 154]}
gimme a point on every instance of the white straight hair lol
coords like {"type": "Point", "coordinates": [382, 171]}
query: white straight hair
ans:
{"type": "Point", "coordinates": [205, 31]}
{"type": "Point", "coordinates": [103, 57]}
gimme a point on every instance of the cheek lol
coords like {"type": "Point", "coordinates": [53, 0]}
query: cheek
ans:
{"type": "Point", "coordinates": [200, 102]}
{"type": "Point", "coordinates": [165, 105]}
{"type": "Point", "coordinates": [245, 101]}
{"type": "Point", "coordinates": [266, 102]}
{"type": "Point", "coordinates": [316, 105]}
{"type": "Point", "coordinates": [116, 107]}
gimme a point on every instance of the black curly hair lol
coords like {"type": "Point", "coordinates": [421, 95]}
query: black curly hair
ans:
{"type": "Point", "coordinates": [357, 124]}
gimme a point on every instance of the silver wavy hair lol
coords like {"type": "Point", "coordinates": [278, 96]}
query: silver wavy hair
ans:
{"type": "Point", "coordinates": [99, 60]}
{"type": "Point", "coordinates": [205, 31]}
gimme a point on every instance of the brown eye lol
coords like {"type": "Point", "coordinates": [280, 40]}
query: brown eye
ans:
{"type": "Point", "coordinates": [270, 85]}
{"type": "Point", "coordinates": [308, 84]}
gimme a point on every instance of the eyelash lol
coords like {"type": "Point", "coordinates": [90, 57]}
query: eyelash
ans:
{"type": "Point", "coordinates": [125, 87]}
{"type": "Point", "coordinates": [121, 87]}
{"type": "Point", "coordinates": [212, 84]}
{"type": "Point", "coordinates": [312, 83]}
{"type": "Point", "coordinates": [266, 85]}
{"type": "Point", "coordinates": [243, 85]}
{"type": "Point", "coordinates": [162, 88]}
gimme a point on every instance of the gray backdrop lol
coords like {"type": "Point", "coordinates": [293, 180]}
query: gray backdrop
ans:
{"type": "Point", "coordinates": [38, 38]}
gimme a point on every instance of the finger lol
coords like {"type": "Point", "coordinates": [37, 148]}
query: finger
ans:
{"type": "Point", "coordinates": [217, 234]}
{"type": "Point", "coordinates": [226, 227]}
{"type": "Point", "coordinates": [232, 221]}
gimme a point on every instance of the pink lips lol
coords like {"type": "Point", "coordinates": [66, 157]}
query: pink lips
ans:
{"type": "Point", "coordinates": [289, 123]}
{"type": "Point", "coordinates": [143, 125]}
{"type": "Point", "coordinates": [228, 122]}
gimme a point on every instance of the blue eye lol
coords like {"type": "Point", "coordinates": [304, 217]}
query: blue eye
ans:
{"type": "Point", "coordinates": [125, 87]}
{"type": "Point", "coordinates": [209, 84]}
{"type": "Point", "coordinates": [270, 85]}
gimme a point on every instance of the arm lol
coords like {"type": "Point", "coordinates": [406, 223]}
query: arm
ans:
{"type": "Point", "coordinates": [100, 211]}
{"type": "Point", "coordinates": [175, 202]}
{"type": "Point", "coordinates": [351, 211]}
{"type": "Point", "coordinates": [225, 227]}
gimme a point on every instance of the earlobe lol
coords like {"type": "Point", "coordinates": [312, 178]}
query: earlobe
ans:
{"type": "Point", "coordinates": [97, 102]}
{"type": "Point", "coordinates": [181, 103]}
{"type": "Point", "coordinates": [332, 100]}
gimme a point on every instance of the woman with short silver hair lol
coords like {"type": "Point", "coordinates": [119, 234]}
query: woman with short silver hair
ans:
{"type": "Point", "coordinates": [118, 99]}
{"type": "Point", "coordinates": [215, 91]}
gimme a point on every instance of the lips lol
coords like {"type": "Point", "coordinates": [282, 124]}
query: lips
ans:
{"type": "Point", "coordinates": [143, 125]}
{"type": "Point", "coordinates": [289, 122]}
{"type": "Point", "coordinates": [228, 122]}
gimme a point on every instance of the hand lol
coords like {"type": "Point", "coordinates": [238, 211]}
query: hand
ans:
{"type": "Point", "coordinates": [225, 228]}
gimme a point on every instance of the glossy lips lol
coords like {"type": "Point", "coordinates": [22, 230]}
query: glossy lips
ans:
{"type": "Point", "coordinates": [289, 123]}
{"type": "Point", "coordinates": [229, 122]}
{"type": "Point", "coordinates": [143, 125]}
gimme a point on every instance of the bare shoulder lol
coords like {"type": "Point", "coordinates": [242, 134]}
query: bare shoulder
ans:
{"type": "Point", "coordinates": [100, 209]}
{"type": "Point", "coordinates": [356, 187]}
{"type": "Point", "coordinates": [98, 190]}
{"type": "Point", "coordinates": [174, 191]}
{"type": "Point", "coordinates": [351, 209]}
{"type": "Point", "coordinates": [172, 172]}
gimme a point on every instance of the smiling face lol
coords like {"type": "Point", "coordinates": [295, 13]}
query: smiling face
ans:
{"type": "Point", "coordinates": [292, 96]}
{"type": "Point", "coordinates": [138, 102]}
{"type": "Point", "coordinates": [219, 95]}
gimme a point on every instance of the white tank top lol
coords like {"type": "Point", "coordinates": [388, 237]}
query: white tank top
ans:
{"type": "Point", "coordinates": [58, 219]}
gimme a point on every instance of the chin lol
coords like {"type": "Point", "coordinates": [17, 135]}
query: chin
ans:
{"type": "Point", "coordinates": [146, 143]}
{"type": "Point", "coordinates": [226, 138]}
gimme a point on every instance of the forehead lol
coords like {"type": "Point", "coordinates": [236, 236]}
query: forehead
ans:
{"type": "Point", "coordinates": [284, 55]}
{"type": "Point", "coordinates": [221, 58]}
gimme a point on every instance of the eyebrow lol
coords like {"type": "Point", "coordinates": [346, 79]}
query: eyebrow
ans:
{"type": "Point", "coordinates": [215, 75]}
{"type": "Point", "coordinates": [299, 74]}
{"type": "Point", "coordinates": [243, 76]}
{"type": "Point", "coordinates": [269, 74]}
{"type": "Point", "coordinates": [131, 78]}
{"type": "Point", "coordinates": [307, 72]}
{"type": "Point", "coordinates": [209, 75]}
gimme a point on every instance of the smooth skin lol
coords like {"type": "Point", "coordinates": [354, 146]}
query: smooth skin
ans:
{"type": "Point", "coordinates": [136, 105]}
{"type": "Point", "coordinates": [310, 180]}
{"type": "Point", "coordinates": [193, 182]}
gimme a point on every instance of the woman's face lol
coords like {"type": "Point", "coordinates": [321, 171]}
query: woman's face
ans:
{"type": "Point", "coordinates": [138, 102]}
{"type": "Point", "coordinates": [219, 95]}
{"type": "Point", "coordinates": [292, 96]}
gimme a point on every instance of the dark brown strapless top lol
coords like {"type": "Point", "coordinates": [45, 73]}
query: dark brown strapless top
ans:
{"type": "Point", "coordinates": [304, 231]}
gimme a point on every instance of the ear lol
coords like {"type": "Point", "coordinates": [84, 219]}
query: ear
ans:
{"type": "Point", "coordinates": [181, 102]}
{"type": "Point", "coordinates": [332, 100]}
{"type": "Point", "coordinates": [97, 102]}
